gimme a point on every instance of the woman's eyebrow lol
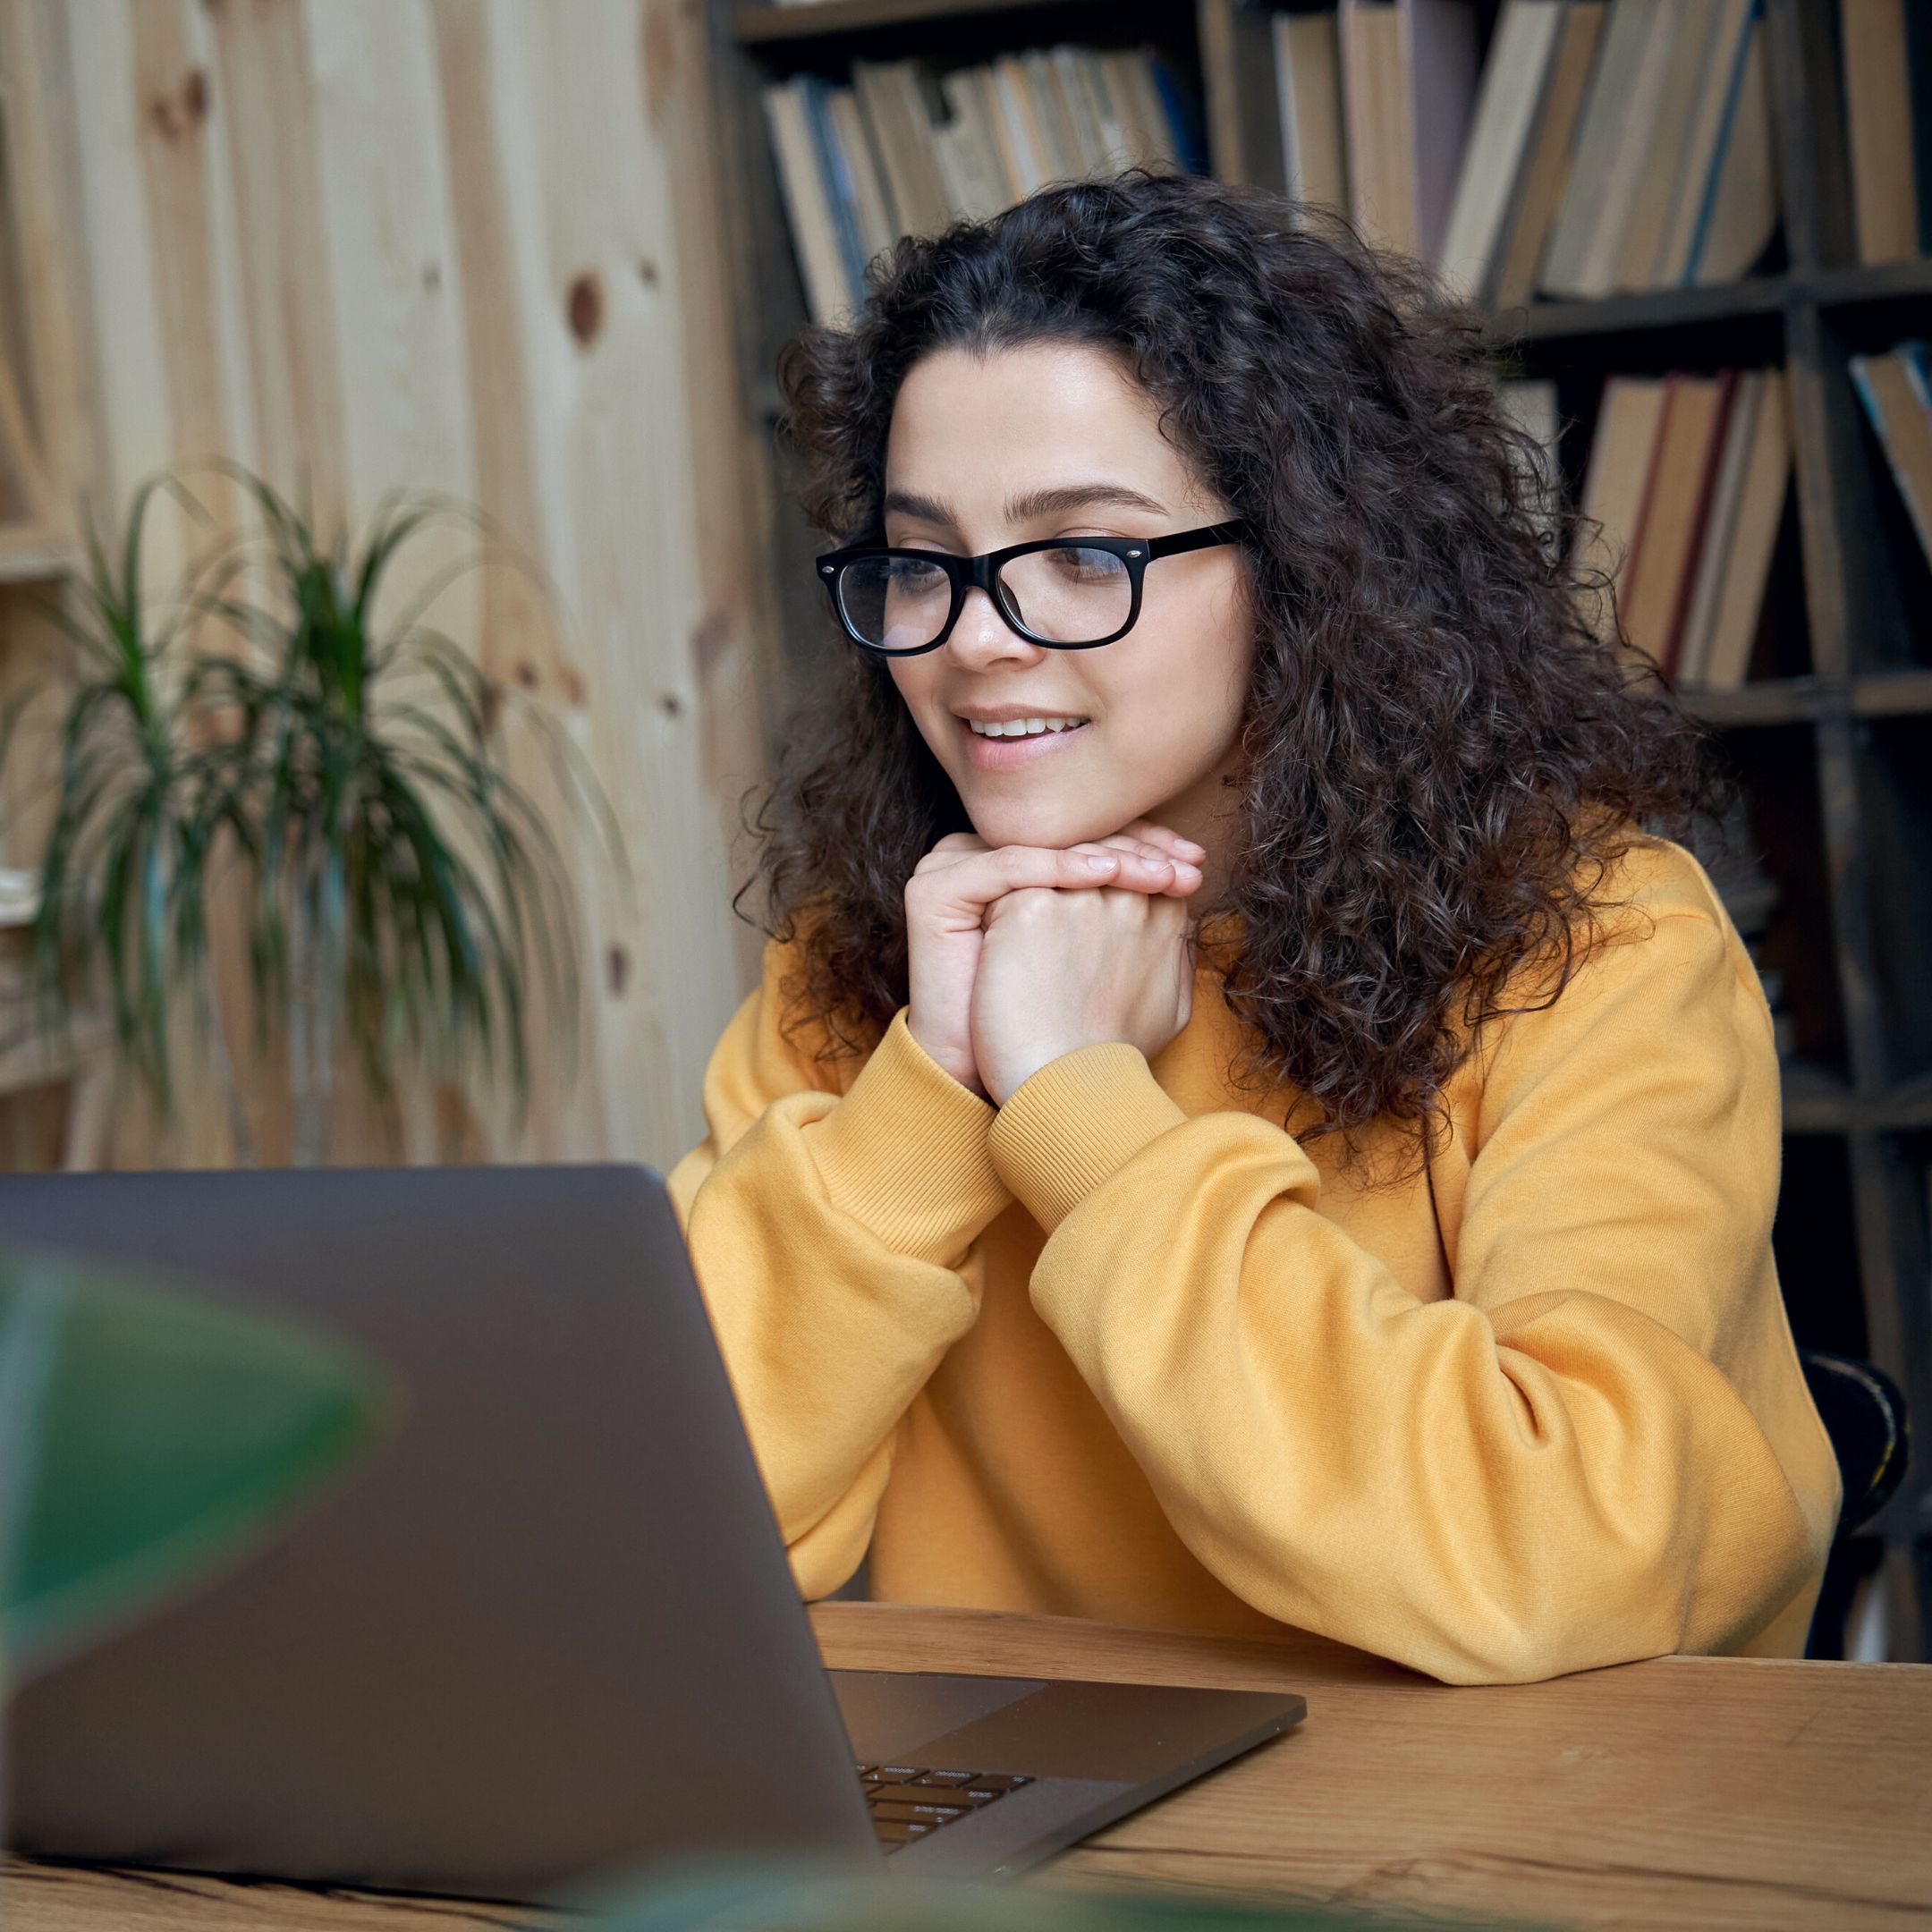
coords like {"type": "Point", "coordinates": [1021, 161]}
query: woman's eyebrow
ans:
{"type": "Point", "coordinates": [1029, 504]}
{"type": "Point", "coordinates": [909, 503]}
{"type": "Point", "coordinates": [1041, 503]}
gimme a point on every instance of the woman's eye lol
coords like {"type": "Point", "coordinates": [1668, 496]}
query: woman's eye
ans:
{"type": "Point", "coordinates": [1085, 565]}
{"type": "Point", "coordinates": [907, 573]}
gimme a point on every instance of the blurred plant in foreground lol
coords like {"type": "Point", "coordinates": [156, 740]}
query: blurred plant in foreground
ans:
{"type": "Point", "coordinates": [801, 1896]}
{"type": "Point", "coordinates": [146, 1437]}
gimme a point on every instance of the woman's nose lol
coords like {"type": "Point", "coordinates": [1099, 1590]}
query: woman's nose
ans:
{"type": "Point", "coordinates": [982, 636]}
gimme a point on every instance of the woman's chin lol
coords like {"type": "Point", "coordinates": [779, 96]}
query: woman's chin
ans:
{"type": "Point", "coordinates": [1053, 830]}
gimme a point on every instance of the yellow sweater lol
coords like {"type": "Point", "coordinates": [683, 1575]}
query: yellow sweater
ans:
{"type": "Point", "coordinates": [1124, 1349]}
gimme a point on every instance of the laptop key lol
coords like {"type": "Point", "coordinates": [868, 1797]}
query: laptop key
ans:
{"type": "Point", "coordinates": [1001, 1780]}
{"type": "Point", "coordinates": [950, 1777]}
{"type": "Point", "coordinates": [890, 1834]}
{"type": "Point", "coordinates": [917, 1814]}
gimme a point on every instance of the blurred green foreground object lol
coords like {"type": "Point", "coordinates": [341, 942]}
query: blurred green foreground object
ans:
{"type": "Point", "coordinates": [145, 1435]}
{"type": "Point", "coordinates": [805, 1898]}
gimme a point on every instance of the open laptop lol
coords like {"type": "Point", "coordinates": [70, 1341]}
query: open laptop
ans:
{"type": "Point", "coordinates": [547, 1630]}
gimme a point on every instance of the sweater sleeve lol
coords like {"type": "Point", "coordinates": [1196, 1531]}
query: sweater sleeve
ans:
{"type": "Point", "coordinates": [833, 1239]}
{"type": "Point", "coordinates": [1550, 1470]}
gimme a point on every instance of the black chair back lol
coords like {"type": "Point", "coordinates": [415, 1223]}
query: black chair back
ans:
{"type": "Point", "coordinates": [1864, 1414]}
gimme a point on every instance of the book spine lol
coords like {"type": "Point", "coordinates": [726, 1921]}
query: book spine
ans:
{"type": "Point", "coordinates": [1293, 176]}
{"type": "Point", "coordinates": [1626, 596]}
{"type": "Point", "coordinates": [1753, 538]}
{"type": "Point", "coordinates": [1707, 198]}
{"type": "Point", "coordinates": [1728, 380]}
{"type": "Point", "coordinates": [1920, 511]}
{"type": "Point", "coordinates": [1024, 155]}
{"type": "Point", "coordinates": [1107, 109]}
{"type": "Point", "coordinates": [1190, 139]}
{"type": "Point", "coordinates": [802, 185]}
{"type": "Point", "coordinates": [1916, 357]}
{"type": "Point", "coordinates": [1715, 545]}
{"type": "Point", "coordinates": [968, 158]}
{"type": "Point", "coordinates": [840, 195]}
{"type": "Point", "coordinates": [1919, 63]}
{"type": "Point", "coordinates": [1058, 143]}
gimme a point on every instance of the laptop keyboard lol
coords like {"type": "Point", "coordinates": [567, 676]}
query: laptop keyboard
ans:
{"type": "Point", "coordinates": [910, 1802]}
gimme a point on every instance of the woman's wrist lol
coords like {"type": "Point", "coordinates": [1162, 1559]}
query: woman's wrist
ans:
{"type": "Point", "coordinates": [945, 1055]}
{"type": "Point", "coordinates": [1016, 1067]}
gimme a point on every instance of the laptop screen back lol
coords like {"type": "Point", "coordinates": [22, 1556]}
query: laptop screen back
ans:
{"type": "Point", "coordinates": [547, 1628]}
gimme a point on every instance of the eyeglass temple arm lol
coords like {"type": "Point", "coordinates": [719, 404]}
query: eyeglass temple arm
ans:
{"type": "Point", "coordinates": [1199, 539]}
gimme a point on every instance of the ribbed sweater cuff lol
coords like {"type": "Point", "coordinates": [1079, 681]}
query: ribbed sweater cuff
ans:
{"type": "Point", "coordinates": [905, 1153]}
{"type": "Point", "coordinates": [1076, 1122]}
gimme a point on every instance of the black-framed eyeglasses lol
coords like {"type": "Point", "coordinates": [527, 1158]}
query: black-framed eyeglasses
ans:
{"type": "Point", "coordinates": [1068, 593]}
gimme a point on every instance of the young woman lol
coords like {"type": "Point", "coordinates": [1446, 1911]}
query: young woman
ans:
{"type": "Point", "coordinates": [1249, 1118]}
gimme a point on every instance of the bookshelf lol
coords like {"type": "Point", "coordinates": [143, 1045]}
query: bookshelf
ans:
{"type": "Point", "coordinates": [1830, 735]}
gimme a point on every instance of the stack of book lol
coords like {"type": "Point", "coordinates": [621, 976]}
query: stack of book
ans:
{"type": "Point", "coordinates": [1375, 100]}
{"type": "Point", "coordinates": [907, 149]}
{"type": "Point", "coordinates": [1617, 147]}
{"type": "Point", "coordinates": [1887, 47]}
{"type": "Point", "coordinates": [1687, 476]}
{"type": "Point", "coordinates": [1600, 146]}
{"type": "Point", "coordinates": [1896, 390]}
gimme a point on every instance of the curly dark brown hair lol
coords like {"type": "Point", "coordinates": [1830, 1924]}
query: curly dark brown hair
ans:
{"type": "Point", "coordinates": [1441, 759]}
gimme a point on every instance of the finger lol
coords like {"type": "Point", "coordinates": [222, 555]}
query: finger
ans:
{"type": "Point", "coordinates": [1183, 875]}
{"type": "Point", "coordinates": [949, 852]}
{"type": "Point", "coordinates": [953, 847]}
{"type": "Point", "coordinates": [1126, 842]}
{"type": "Point", "coordinates": [962, 891]}
{"type": "Point", "coordinates": [1103, 862]}
{"type": "Point", "coordinates": [1166, 838]}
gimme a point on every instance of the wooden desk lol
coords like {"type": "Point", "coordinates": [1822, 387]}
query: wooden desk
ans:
{"type": "Point", "coordinates": [1689, 1792]}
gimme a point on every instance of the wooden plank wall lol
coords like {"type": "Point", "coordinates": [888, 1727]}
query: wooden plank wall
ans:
{"type": "Point", "coordinates": [469, 245]}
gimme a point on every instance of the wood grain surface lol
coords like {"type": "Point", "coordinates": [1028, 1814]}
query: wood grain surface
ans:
{"type": "Point", "coordinates": [1687, 1793]}
{"type": "Point", "coordinates": [365, 245]}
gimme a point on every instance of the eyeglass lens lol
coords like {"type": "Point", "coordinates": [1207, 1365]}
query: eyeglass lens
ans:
{"type": "Point", "coordinates": [1071, 594]}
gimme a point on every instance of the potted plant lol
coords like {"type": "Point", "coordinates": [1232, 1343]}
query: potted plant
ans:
{"type": "Point", "coordinates": [407, 902]}
{"type": "Point", "coordinates": [118, 900]}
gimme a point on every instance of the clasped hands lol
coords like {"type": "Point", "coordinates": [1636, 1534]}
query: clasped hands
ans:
{"type": "Point", "coordinates": [1020, 953]}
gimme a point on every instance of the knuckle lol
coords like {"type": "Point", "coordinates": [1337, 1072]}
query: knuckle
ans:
{"type": "Point", "coordinates": [953, 846]}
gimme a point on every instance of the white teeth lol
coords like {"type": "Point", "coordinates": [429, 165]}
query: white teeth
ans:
{"type": "Point", "coordinates": [1023, 727]}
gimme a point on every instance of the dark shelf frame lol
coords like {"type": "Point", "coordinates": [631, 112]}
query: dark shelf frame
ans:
{"type": "Point", "coordinates": [1862, 640]}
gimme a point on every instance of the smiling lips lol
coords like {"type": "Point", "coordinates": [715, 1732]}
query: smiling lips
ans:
{"type": "Point", "coordinates": [1022, 727]}
{"type": "Point", "coordinates": [1019, 741]}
